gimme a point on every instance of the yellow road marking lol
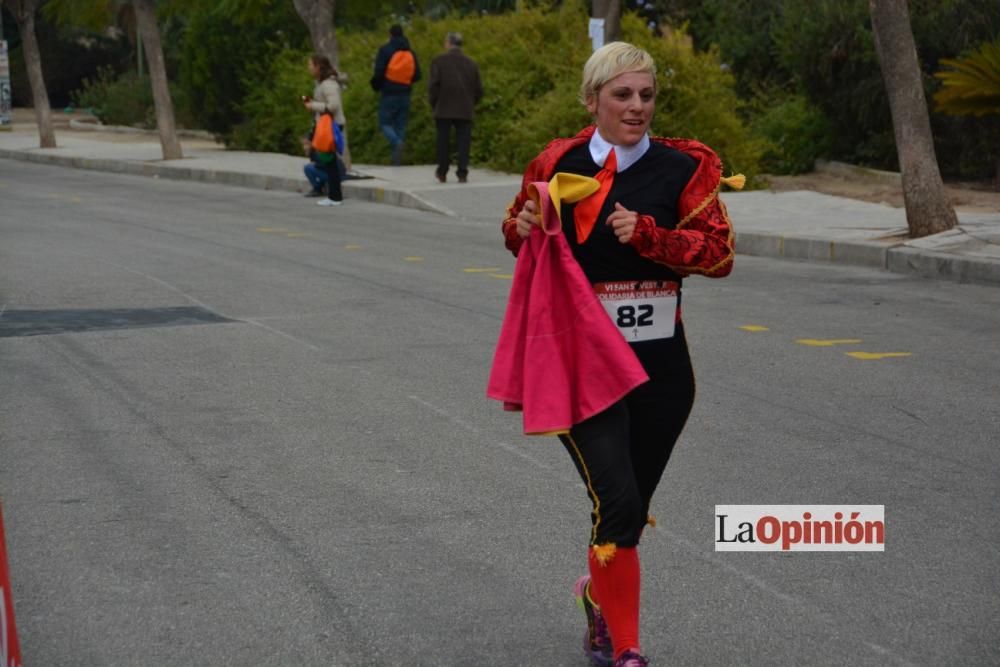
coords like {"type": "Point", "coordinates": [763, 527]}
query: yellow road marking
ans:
{"type": "Point", "coordinates": [75, 199]}
{"type": "Point", "coordinates": [296, 235]}
{"type": "Point", "coordinates": [352, 247]}
{"type": "Point", "coordinates": [472, 270]}
{"type": "Point", "coordinates": [754, 327]}
{"type": "Point", "coordinates": [414, 259]}
{"type": "Point", "coordinates": [271, 230]}
{"type": "Point", "coordinates": [816, 342]}
{"type": "Point", "coordinates": [502, 276]}
{"type": "Point", "coordinates": [869, 356]}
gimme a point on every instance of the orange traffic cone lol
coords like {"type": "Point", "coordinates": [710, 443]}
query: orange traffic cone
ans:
{"type": "Point", "coordinates": [10, 649]}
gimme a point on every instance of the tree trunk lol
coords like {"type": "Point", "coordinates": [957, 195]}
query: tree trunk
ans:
{"type": "Point", "coordinates": [145, 15]}
{"type": "Point", "coordinates": [613, 21]}
{"type": "Point", "coordinates": [318, 17]}
{"type": "Point", "coordinates": [24, 14]}
{"type": "Point", "coordinates": [928, 210]}
{"type": "Point", "coordinates": [611, 12]}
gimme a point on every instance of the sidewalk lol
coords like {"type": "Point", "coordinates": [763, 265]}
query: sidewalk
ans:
{"type": "Point", "coordinates": [793, 225]}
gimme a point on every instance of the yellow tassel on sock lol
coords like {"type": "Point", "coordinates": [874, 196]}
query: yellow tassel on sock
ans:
{"type": "Point", "coordinates": [651, 520]}
{"type": "Point", "coordinates": [736, 181]}
{"type": "Point", "coordinates": [604, 552]}
{"type": "Point", "coordinates": [590, 598]}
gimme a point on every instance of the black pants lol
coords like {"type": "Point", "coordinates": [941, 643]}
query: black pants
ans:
{"type": "Point", "coordinates": [621, 453]}
{"type": "Point", "coordinates": [333, 189]}
{"type": "Point", "coordinates": [463, 137]}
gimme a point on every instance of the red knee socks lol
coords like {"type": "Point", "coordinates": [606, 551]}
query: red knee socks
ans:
{"type": "Point", "coordinates": [614, 586]}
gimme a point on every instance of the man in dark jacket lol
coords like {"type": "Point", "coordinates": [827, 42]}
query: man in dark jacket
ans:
{"type": "Point", "coordinates": [455, 89]}
{"type": "Point", "coordinates": [396, 69]}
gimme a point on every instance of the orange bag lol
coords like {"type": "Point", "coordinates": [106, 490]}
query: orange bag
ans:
{"type": "Point", "coordinates": [402, 68]}
{"type": "Point", "coordinates": [323, 139]}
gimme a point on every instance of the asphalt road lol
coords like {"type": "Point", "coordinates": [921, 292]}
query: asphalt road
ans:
{"type": "Point", "coordinates": [238, 429]}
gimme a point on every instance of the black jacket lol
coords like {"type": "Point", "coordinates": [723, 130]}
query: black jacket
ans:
{"type": "Point", "coordinates": [379, 84]}
{"type": "Point", "coordinates": [455, 87]}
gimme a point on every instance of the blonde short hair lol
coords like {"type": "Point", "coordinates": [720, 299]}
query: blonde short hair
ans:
{"type": "Point", "coordinates": [611, 60]}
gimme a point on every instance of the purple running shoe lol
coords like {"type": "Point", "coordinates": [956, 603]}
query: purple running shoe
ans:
{"type": "Point", "coordinates": [597, 639]}
{"type": "Point", "coordinates": [631, 659]}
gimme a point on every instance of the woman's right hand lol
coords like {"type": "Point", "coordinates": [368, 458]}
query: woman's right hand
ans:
{"type": "Point", "coordinates": [527, 219]}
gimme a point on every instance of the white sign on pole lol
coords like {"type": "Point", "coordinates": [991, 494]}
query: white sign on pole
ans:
{"type": "Point", "coordinates": [597, 33]}
{"type": "Point", "coordinates": [5, 96]}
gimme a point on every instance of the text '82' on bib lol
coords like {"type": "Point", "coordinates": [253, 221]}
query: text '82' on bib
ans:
{"type": "Point", "coordinates": [641, 309]}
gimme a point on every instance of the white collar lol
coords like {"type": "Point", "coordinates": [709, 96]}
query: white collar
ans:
{"type": "Point", "coordinates": [626, 155]}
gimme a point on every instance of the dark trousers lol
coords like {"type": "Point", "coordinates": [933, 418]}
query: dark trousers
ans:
{"type": "Point", "coordinates": [393, 112]}
{"type": "Point", "coordinates": [463, 137]}
{"type": "Point", "coordinates": [333, 189]}
{"type": "Point", "coordinates": [621, 453]}
{"type": "Point", "coordinates": [327, 173]}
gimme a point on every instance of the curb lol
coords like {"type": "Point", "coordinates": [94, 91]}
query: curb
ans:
{"type": "Point", "coordinates": [379, 195]}
{"type": "Point", "coordinates": [941, 265]}
{"type": "Point", "coordinates": [393, 197]}
{"type": "Point", "coordinates": [82, 125]}
{"type": "Point", "coordinates": [894, 257]}
{"type": "Point", "coordinates": [870, 254]}
{"type": "Point", "coordinates": [846, 170]}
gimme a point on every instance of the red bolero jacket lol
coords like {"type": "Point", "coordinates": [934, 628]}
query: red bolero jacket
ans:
{"type": "Point", "coordinates": [701, 243]}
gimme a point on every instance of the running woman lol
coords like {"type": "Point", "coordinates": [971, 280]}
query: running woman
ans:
{"type": "Point", "coordinates": [655, 220]}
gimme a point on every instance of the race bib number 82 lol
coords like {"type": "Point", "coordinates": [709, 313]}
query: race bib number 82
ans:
{"type": "Point", "coordinates": [642, 310]}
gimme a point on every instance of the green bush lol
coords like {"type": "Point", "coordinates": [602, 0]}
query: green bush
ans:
{"type": "Point", "coordinates": [125, 99]}
{"type": "Point", "coordinates": [797, 134]}
{"type": "Point", "coordinates": [222, 51]}
{"type": "Point", "coordinates": [531, 62]}
{"type": "Point", "coordinates": [275, 121]}
{"type": "Point", "coordinates": [697, 98]}
{"type": "Point", "coordinates": [828, 47]}
{"type": "Point", "coordinates": [824, 50]}
{"type": "Point", "coordinates": [118, 99]}
{"type": "Point", "coordinates": [68, 57]}
{"type": "Point", "coordinates": [741, 29]}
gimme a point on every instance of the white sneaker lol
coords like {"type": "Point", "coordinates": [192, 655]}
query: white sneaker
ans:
{"type": "Point", "coordinates": [329, 202]}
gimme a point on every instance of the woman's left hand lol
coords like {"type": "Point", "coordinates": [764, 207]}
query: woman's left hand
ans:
{"type": "Point", "coordinates": [623, 222]}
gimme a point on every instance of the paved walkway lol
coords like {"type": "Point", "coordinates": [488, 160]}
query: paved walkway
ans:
{"type": "Point", "coordinates": [795, 225]}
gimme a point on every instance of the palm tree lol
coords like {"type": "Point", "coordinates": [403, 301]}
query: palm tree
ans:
{"type": "Point", "coordinates": [145, 18]}
{"type": "Point", "coordinates": [928, 210]}
{"type": "Point", "coordinates": [972, 86]}
{"type": "Point", "coordinates": [24, 14]}
{"type": "Point", "coordinates": [97, 15]}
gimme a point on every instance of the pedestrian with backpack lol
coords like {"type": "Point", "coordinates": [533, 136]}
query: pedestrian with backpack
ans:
{"type": "Point", "coordinates": [327, 137]}
{"type": "Point", "coordinates": [396, 70]}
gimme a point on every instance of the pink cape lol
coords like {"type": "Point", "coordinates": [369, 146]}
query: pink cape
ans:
{"type": "Point", "coordinates": [559, 357]}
